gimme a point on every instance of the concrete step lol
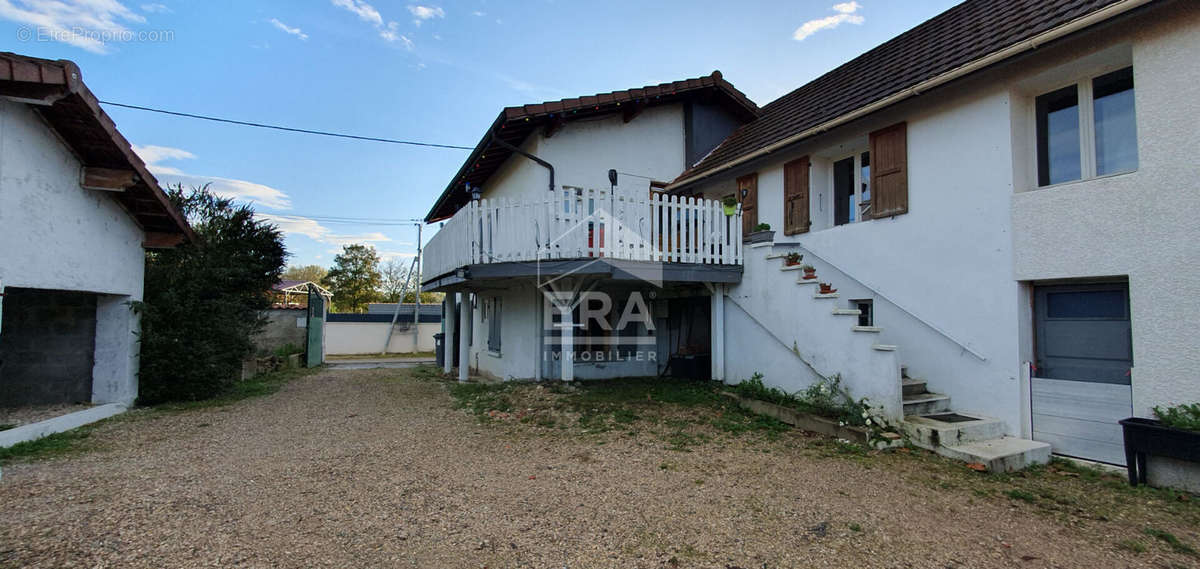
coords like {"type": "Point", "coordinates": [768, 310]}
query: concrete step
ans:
{"type": "Point", "coordinates": [871, 329]}
{"type": "Point", "coordinates": [913, 386]}
{"type": "Point", "coordinates": [884, 347]}
{"type": "Point", "coordinates": [846, 312]}
{"type": "Point", "coordinates": [926, 404]}
{"type": "Point", "coordinates": [805, 281]}
{"type": "Point", "coordinates": [790, 268]}
{"type": "Point", "coordinates": [941, 429]}
{"type": "Point", "coordinates": [1003, 454]}
{"type": "Point", "coordinates": [829, 295]}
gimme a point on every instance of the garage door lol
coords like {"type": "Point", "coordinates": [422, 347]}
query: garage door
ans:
{"type": "Point", "coordinates": [1081, 382]}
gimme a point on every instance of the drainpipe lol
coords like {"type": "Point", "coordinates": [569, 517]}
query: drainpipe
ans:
{"type": "Point", "coordinates": [543, 163]}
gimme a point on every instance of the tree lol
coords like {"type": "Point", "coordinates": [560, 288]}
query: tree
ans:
{"type": "Point", "coordinates": [310, 273]}
{"type": "Point", "coordinates": [354, 279]}
{"type": "Point", "coordinates": [397, 276]}
{"type": "Point", "coordinates": [203, 300]}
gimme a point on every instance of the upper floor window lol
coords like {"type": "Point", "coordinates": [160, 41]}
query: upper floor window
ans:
{"type": "Point", "coordinates": [1096, 138]}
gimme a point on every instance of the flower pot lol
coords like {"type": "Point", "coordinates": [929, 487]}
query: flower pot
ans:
{"type": "Point", "coordinates": [827, 288]}
{"type": "Point", "coordinates": [761, 236]}
{"type": "Point", "coordinates": [791, 263]}
{"type": "Point", "coordinates": [1148, 436]}
{"type": "Point", "coordinates": [729, 209]}
{"type": "Point", "coordinates": [810, 274]}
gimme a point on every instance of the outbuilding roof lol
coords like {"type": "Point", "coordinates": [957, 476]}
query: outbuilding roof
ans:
{"type": "Point", "coordinates": [953, 40]}
{"type": "Point", "coordinates": [55, 90]}
{"type": "Point", "coordinates": [516, 123]}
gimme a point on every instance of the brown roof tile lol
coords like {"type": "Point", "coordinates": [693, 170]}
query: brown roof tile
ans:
{"type": "Point", "coordinates": [960, 35]}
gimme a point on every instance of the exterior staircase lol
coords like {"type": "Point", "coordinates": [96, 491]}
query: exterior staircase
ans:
{"type": "Point", "coordinates": [931, 424]}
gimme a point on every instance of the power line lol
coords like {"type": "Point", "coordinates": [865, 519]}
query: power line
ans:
{"type": "Point", "coordinates": [287, 128]}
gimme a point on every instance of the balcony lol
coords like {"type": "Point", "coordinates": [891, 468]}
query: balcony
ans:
{"type": "Point", "coordinates": [574, 224]}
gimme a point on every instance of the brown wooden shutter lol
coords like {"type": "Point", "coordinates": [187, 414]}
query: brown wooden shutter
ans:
{"type": "Point", "coordinates": [748, 194]}
{"type": "Point", "coordinates": [889, 171]}
{"type": "Point", "coordinates": [795, 197]}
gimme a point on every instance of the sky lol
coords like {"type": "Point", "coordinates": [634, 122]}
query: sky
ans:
{"type": "Point", "coordinates": [426, 71]}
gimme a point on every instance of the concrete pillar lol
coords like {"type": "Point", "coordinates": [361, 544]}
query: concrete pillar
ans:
{"type": "Point", "coordinates": [449, 319]}
{"type": "Point", "coordinates": [717, 323]}
{"type": "Point", "coordinates": [538, 333]}
{"type": "Point", "coordinates": [115, 356]}
{"type": "Point", "coordinates": [568, 342]}
{"type": "Point", "coordinates": [464, 327]}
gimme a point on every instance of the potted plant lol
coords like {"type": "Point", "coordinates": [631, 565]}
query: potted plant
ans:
{"type": "Point", "coordinates": [827, 288]}
{"type": "Point", "coordinates": [762, 234]}
{"type": "Point", "coordinates": [792, 259]}
{"type": "Point", "coordinates": [730, 205]}
{"type": "Point", "coordinates": [1176, 434]}
{"type": "Point", "coordinates": [810, 272]}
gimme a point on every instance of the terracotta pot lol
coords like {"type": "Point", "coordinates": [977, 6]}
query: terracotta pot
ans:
{"type": "Point", "coordinates": [810, 275]}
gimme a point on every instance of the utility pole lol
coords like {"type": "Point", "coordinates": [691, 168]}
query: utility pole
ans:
{"type": "Point", "coordinates": [417, 306]}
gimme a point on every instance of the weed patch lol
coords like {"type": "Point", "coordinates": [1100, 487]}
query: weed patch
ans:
{"type": "Point", "coordinates": [1170, 539]}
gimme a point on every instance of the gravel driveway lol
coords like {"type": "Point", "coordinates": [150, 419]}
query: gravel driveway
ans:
{"type": "Point", "coordinates": [370, 468]}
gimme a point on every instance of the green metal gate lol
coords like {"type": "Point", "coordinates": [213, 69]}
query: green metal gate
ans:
{"type": "Point", "coordinates": [316, 327]}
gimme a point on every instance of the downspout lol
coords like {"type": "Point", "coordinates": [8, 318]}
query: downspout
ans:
{"type": "Point", "coordinates": [543, 163]}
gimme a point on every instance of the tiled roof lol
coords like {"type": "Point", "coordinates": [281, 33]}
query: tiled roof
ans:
{"type": "Point", "coordinates": [965, 33]}
{"type": "Point", "coordinates": [516, 123]}
{"type": "Point", "coordinates": [70, 108]}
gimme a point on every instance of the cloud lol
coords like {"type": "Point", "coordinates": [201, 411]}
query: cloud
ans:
{"type": "Point", "coordinates": [289, 30]}
{"type": "Point", "coordinates": [365, 12]}
{"type": "Point", "coordinates": [152, 154]}
{"type": "Point", "coordinates": [422, 13]}
{"type": "Point", "coordinates": [478, 13]}
{"type": "Point", "coordinates": [299, 225]}
{"type": "Point", "coordinates": [85, 24]}
{"type": "Point", "coordinates": [846, 14]}
{"type": "Point", "coordinates": [156, 9]}
{"type": "Point", "coordinates": [241, 190]}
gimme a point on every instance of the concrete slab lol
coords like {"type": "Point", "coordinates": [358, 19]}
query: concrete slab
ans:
{"type": "Point", "coordinates": [34, 431]}
{"type": "Point", "coordinates": [1005, 454]}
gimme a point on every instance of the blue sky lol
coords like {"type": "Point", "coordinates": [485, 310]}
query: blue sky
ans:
{"type": "Point", "coordinates": [428, 71]}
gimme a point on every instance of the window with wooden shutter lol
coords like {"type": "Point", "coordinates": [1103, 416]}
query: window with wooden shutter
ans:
{"type": "Point", "coordinates": [795, 197]}
{"type": "Point", "coordinates": [748, 194]}
{"type": "Point", "coordinates": [889, 171]}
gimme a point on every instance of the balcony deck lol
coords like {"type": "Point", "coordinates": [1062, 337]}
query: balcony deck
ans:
{"type": "Point", "coordinates": [592, 232]}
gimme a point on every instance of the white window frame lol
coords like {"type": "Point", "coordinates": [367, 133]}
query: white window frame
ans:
{"type": "Point", "coordinates": [1087, 127]}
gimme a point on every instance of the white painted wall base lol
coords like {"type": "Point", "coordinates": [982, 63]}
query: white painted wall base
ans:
{"type": "Point", "coordinates": [347, 338]}
{"type": "Point", "coordinates": [34, 431]}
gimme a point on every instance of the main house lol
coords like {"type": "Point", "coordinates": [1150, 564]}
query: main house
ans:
{"type": "Point", "coordinates": [997, 198]}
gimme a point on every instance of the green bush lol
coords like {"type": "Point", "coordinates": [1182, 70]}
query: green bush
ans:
{"type": "Point", "coordinates": [824, 398]}
{"type": "Point", "coordinates": [1186, 417]}
{"type": "Point", "coordinates": [203, 300]}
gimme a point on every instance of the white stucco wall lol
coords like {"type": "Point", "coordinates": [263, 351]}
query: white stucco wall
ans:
{"type": "Point", "coordinates": [344, 338]}
{"type": "Point", "coordinates": [947, 262]}
{"type": "Point", "coordinates": [1141, 224]}
{"type": "Point", "coordinates": [59, 236]}
{"type": "Point", "coordinates": [582, 152]}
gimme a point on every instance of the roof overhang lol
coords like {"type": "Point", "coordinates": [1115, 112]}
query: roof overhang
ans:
{"type": "Point", "coordinates": [706, 171]}
{"type": "Point", "coordinates": [515, 124]}
{"type": "Point", "coordinates": [56, 91]}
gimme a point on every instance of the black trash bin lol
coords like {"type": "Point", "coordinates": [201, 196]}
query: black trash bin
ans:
{"type": "Point", "coordinates": [439, 348]}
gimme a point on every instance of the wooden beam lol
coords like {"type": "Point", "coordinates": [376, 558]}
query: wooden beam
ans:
{"type": "Point", "coordinates": [159, 240]}
{"type": "Point", "coordinates": [633, 110]}
{"type": "Point", "coordinates": [107, 179]}
{"type": "Point", "coordinates": [553, 126]}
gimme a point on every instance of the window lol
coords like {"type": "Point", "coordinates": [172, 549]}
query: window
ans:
{"type": "Point", "coordinates": [1116, 129]}
{"type": "Point", "coordinates": [866, 316]}
{"type": "Point", "coordinates": [491, 313]}
{"type": "Point", "coordinates": [852, 189]}
{"type": "Point", "coordinates": [1077, 141]}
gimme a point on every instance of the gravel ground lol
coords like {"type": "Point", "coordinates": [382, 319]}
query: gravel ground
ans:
{"type": "Point", "coordinates": [373, 469]}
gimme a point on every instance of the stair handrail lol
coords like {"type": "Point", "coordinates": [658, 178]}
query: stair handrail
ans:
{"type": "Point", "coordinates": [891, 301]}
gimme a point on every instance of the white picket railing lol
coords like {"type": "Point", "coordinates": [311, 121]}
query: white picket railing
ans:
{"type": "Point", "coordinates": [575, 223]}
